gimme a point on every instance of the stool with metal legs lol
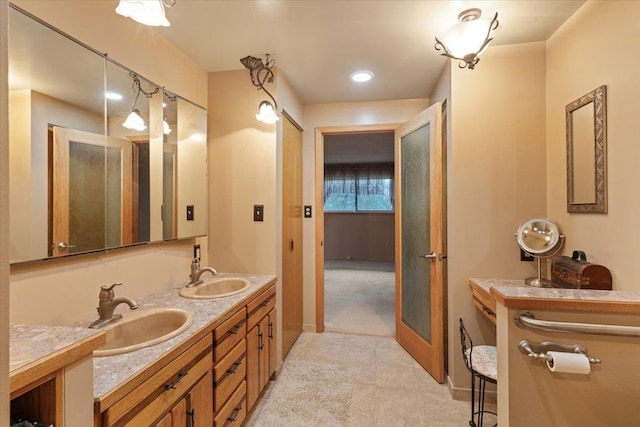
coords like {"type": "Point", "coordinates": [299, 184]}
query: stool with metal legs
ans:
{"type": "Point", "coordinates": [482, 362]}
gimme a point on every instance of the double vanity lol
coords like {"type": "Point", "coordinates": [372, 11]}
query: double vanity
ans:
{"type": "Point", "coordinates": [202, 354]}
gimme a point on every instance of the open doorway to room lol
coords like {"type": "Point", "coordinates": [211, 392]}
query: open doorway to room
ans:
{"type": "Point", "coordinates": [359, 233]}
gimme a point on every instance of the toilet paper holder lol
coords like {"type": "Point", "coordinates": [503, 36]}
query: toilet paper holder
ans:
{"type": "Point", "coordinates": [538, 351]}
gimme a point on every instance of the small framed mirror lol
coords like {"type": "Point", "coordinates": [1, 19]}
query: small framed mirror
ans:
{"type": "Point", "coordinates": [587, 153]}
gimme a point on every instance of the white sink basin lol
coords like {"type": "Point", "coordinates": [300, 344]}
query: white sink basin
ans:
{"type": "Point", "coordinates": [143, 328]}
{"type": "Point", "coordinates": [216, 288]}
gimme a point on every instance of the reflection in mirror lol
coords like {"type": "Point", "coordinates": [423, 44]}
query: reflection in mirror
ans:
{"type": "Point", "coordinates": [69, 95]}
{"type": "Point", "coordinates": [192, 202]}
{"type": "Point", "coordinates": [134, 120]}
{"type": "Point", "coordinates": [84, 175]}
{"type": "Point", "coordinates": [586, 153]}
{"type": "Point", "coordinates": [169, 167]}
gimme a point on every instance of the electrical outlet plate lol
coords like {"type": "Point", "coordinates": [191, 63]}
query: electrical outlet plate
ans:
{"type": "Point", "coordinates": [307, 211]}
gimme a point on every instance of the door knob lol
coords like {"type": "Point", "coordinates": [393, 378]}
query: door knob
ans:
{"type": "Point", "coordinates": [63, 245]}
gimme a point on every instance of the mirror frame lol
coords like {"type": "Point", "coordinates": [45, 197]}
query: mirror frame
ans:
{"type": "Point", "coordinates": [599, 98]}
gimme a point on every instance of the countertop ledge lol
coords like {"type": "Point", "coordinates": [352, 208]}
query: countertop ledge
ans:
{"type": "Point", "coordinates": [36, 351]}
{"type": "Point", "coordinates": [115, 376]}
{"type": "Point", "coordinates": [515, 294]}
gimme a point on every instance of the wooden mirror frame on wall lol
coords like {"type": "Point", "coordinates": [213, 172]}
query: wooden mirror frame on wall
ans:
{"type": "Point", "coordinates": [593, 145]}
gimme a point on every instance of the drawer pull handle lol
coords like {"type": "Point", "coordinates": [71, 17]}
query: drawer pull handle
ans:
{"type": "Point", "coordinates": [233, 368]}
{"type": "Point", "coordinates": [260, 343]}
{"type": "Point", "coordinates": [234, 414]}
{"type": "Point", "coordinates": [181, 375]}
{"type": "Point", "coordinates": [236, 328]}
{"type": "Point", "coordinates": [488, 311]}
{"type": "Point", "coordinates": [265, 302]}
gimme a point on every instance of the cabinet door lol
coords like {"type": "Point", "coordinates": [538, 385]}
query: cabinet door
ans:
{"type": "Point", "coordinates": [253, 366]}
{"type": "Point", "coordinates": [263, 347]}
{"type": "Point", "coordinates": [177, 417]}
{"type": "Point", "coordinates": [199, 411]}
{"type": "Point", "coordinates": [271, 341]}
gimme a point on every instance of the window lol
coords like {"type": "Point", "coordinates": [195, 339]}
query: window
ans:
{"type": "Point", "coordinates": [363, 187]}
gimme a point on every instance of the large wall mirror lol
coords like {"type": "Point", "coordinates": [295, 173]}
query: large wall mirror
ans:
{"type": "Point", "coordinates": [87, 141]}
{"type": "Point", "coordinates": [587, 153]}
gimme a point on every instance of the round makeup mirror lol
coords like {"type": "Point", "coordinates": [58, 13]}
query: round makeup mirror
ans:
{"type": "Point", "coordinates": [541, 238]}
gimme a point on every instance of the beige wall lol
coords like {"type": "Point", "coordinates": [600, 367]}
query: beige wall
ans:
{"type": "Point", "coordinates": [4, 216]}
{"type": "Point", "coordinates": [362, 236]}
{"type": "Point", "coordinates": [496, 176]}
{"type": "Point", "coordinates": [596, 46]}
{"type": "Point", "coordinates": [242, 173]}
{"type": "Point", "coordinates": [72, 284]}
{"type": "Point", "coordinates": [340, 115]}
{"type": "Point", "coordinates": [530, 395]}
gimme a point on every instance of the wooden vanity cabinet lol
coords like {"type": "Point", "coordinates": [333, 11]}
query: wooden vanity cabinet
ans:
{"type": "Point", "coordinates": [176, 395]}
{"type": "Point", "coordinates": [40, 401]}
{"type": "Point", "coordinates": [229, 372]}
{"type": "Point", "coordinates": [261, 343]}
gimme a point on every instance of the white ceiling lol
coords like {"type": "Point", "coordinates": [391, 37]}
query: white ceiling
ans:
{"type": "Point", "coordinates": [317, 43]}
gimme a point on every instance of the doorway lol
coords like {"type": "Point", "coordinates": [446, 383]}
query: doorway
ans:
{"type": "Point", "coordinates": [358, 209]}
{"type": "Point", "coordinates": [420, 325]}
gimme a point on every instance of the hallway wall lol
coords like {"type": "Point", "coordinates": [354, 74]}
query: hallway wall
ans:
{"type": "Point", "coordinates": [359, 236]}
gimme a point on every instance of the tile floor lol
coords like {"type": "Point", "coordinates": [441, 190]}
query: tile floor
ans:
{"type": "Point", "coordinates": [335, 379]}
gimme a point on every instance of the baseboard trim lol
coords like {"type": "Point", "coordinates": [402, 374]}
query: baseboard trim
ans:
{"type": "Point", "coordinates": [464, 394]}
{"type": "Point", "coordinates": [309, 328]}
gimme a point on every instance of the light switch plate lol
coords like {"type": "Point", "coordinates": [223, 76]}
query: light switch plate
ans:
{"type": "Point", "coordinates": [258, 213]}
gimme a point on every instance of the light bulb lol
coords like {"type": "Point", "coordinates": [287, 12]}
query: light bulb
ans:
{"type": "Point", "coordinates": [267, 113]}
{"type": "Point", "coordinates": [147, 12]}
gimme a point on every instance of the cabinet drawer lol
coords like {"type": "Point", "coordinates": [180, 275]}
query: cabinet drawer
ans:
{"type": "Point", "coordinates": [484, 303]}
{"type": "Point", "coordinates": [229, 334]}
{"type": "Point", "coordinates": [163, 389]}
{"type": "Point", "coordinates": [228, 374]}
{"type": "Point", "coordinates": [234, 411]}
{"type": "Point", "coordinates": [259, 307]}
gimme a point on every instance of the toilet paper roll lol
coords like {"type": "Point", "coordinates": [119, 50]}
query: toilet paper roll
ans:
{"type": "Point", "coordinates": [570, 363]}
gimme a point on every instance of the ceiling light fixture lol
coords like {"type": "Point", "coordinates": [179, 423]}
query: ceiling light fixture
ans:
{"type": "Point", "coordinates": [467, 39]}
{"type": "Point", "coordinates": [260, 73]}
{"type": "Point", "coordinates": [147, 12]}
{"type": "Point", "coordinates": [361, 76]}
{"type": "Point", "coordinates": [134, 119]}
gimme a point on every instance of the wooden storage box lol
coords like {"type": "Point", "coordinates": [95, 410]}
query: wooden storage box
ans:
{"type": "Point", "coordinates": [577, 273]}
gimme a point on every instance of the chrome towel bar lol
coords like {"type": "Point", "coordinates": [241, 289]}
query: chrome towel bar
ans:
{"type": "Point", "coordinates": [528, 321]}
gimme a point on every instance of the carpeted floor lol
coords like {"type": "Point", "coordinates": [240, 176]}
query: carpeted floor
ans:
{"type": "Point", "coordinates": [359, 298]}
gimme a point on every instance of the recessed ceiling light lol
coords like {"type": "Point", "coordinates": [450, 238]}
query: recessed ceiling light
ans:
{"type": "Point", "coordinates": [361, 76]}
{"type": "Point", "coordinates": [114, 96]}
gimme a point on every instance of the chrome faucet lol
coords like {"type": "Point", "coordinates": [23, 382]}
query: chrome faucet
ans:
{"type": "Point", "coordinates": [197, 272]}
{"type": "Point", "coordinates": [107, 303]}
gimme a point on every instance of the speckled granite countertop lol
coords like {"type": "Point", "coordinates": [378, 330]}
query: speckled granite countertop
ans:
{"type": "Point", "coordinates": [111, 371]}
{"type": "Point", "coordinates": [31, 343]}
{"type": "Point", "coordinates": [515, 294]}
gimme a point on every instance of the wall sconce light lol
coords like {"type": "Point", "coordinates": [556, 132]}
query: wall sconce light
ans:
{"type": "Point", "coordinates": [134, 119]}
{"type": "Point", "coordinates": [260, 73]}
{"type": "Point", "coordinates": [147, 12]}
{"type": "Point", "coordinates": [467, 39]}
